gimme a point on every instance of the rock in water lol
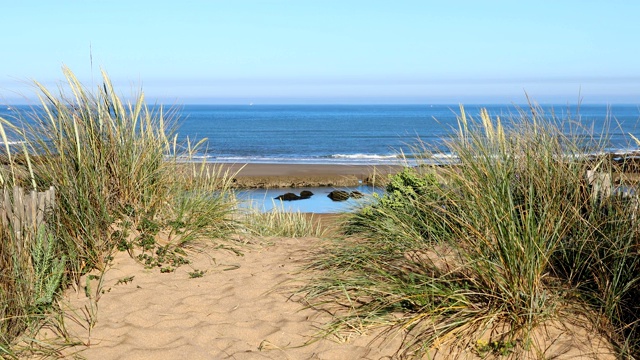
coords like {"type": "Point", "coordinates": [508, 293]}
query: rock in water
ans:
{"type": "Point", "coordinates": [356, 194]}
{"type": "Point", "coordinates": [288, 197]}
{"type": "Point", "coordinates": [305, 194]}
{"type": "Point", "coordinates": [338, 195]}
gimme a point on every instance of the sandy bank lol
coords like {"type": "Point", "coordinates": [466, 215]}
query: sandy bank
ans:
{"type": "Point", "coordinates": [306, 175]}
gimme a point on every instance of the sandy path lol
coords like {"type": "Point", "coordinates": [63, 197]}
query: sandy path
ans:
{"type": "Point", "coordinates": [241, 309]}
{"type": "Point", "coordinates": [237, 310]}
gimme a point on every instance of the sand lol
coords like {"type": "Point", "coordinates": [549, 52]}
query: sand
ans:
{"type": "Point", "coordinates": [287, 175]}
{"type": "Point", "coordinates": [242, 308]}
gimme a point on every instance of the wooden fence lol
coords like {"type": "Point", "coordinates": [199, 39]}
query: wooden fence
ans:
{"type": "Point", "coordinates": [23, 213]}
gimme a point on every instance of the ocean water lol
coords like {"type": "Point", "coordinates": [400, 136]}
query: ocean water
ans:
{"type": "Point", "coordinates": [365, 134]}
{"type": "Point", "coordinates": [360, 134]}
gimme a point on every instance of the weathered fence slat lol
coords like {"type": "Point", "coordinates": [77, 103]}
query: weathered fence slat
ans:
{"type": "Point", "coordinates": [601, 184]}
{"type": "Point", "coordinates": [23, 213]}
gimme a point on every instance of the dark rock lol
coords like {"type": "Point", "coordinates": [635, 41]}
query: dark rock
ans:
{"type": "Point", "coordinates": [288, 197]}
{"type": "Point", "coordinates": [356, 194]}
{"type": "Point", "coordinates": [305, 194]}
{"type": "Point", "coordinates": [338, 195]}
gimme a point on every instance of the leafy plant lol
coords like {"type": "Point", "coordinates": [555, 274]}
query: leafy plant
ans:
{"type": "Point", "coordinates": [125, 280]}
{"type": "Point", "coordinates": [48, 268]}
{"type": "Point", "coordinates": [501, 348]}
{"type": "Point", "coordinates": [196, 273]}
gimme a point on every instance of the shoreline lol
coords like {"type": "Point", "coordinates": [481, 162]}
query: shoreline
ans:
{"type": "Point", "coordinates": [273, 176]}
{"type": "Point", "coordinates": [626, 168]}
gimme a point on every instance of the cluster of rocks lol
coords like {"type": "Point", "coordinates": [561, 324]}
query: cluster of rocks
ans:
{"type": "Point", "coordinates": [305, 194]}
{"type": "Point", "coordinates": [341, 195]}
{"type": "Point", "coordinates": [335, 195]}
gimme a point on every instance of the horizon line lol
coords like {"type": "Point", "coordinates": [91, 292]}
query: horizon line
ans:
{"type": "Point", "coordinates": [249, 104]}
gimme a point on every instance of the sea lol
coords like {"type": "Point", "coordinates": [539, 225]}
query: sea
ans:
{"type": "Point", "coordinates": [370, 134]}
{"type": "Point", "coordinates": [363, 135]}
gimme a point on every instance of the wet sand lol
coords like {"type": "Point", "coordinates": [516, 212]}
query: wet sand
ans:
{"type": "Point", "coordinates": [306, 175]}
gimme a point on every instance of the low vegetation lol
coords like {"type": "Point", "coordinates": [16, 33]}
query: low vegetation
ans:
{"type": "Point", "coordinates": [282, 223]}
{"type": "Point", "coordinates": [483, 254]}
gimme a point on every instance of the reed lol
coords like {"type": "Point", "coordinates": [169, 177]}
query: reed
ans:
{"type": "Point", "coordinates": [202, 204]}
{"type": "Point", "coordinates": [491, 249]}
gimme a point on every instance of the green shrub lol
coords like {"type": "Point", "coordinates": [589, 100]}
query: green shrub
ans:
{"type": "Point", "coordinates": [397, 213]}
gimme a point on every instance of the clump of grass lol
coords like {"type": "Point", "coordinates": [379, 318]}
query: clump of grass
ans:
{"type": "Point", "coordinates": [116, 162]}
{"type": "Point", "coordinates": [118, 171]}
{"type": "Point", "coordinates": [509, 239]}
{"type": "Point", "coordinates": [282, 223]}
{"type": "Point", "coordinates": [105, 157]}
{"type": "Point", "coordinates": [202, 204]}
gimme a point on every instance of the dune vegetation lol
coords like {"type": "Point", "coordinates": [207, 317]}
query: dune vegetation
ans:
{"type": "Point", "coordinates": [121, 182]}
{"type": "Point", "coordinates": [485, 254]}
{"type": "Point", "coordinates": [280, 222]}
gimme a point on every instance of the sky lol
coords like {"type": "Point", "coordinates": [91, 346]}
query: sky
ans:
{"type": "Point", "coordinates": [329, 51]}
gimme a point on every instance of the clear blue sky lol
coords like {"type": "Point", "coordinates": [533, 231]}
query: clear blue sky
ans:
{"type": "Point", "coordinates": [330, 51]}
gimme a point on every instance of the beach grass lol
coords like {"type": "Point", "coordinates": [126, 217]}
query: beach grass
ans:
{"type": "Point", "coordinates": [493, 249]}
{"type": "Point", "coordinates": [280, 222]}
{"type": "Point", "coordinates": [121, 178]}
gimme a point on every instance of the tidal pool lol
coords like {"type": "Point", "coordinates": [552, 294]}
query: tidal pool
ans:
{"type": "Point", "coordinates": [265, 199]}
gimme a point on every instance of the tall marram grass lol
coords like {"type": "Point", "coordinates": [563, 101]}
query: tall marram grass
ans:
{"type": "Point", "coordinates": [493, 248]}
{"type": "Point", "coordinates": [116, 166]}
{"type": "Point", "coordinates": [104, 156]}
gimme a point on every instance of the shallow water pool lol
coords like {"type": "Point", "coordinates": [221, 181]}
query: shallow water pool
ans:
{"type": "Point", "coordinates": [264, 199]}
